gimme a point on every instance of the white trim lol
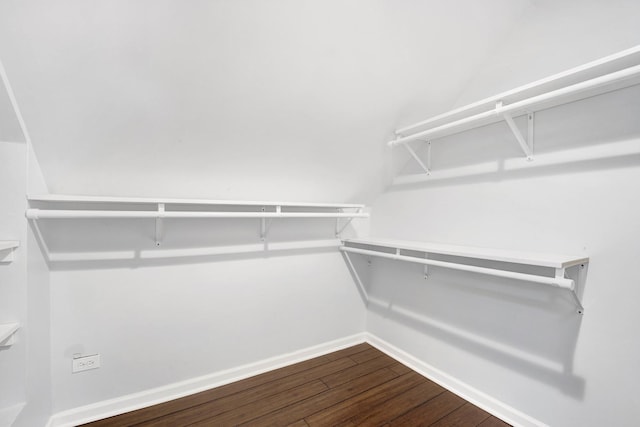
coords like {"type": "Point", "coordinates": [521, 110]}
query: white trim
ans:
{"type": "Point", "coordinates": [480, 399]}
{"type": "Point", "coordinates": [131, 402]}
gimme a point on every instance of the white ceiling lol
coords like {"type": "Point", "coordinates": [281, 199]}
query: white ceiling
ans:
{"type": "Point", "coordinates": [283, 99]}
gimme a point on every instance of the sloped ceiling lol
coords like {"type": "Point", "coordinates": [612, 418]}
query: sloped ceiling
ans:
{"type": "Point", "coordinates": [283, 99]}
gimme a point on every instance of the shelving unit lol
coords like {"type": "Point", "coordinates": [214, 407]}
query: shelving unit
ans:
{"type": "Point", "coordinates": [7, 249]}
{"type": "Point", "coordinates": [604, 75]}
{"type": "Point", "coordinates": [164, 208]}
{"type": "Point", "coordinates": [8, 333]}
{"type": "Point", "coordinates": [400, 250]}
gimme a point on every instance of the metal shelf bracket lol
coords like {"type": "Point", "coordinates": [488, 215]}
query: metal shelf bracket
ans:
{"type": "Point", "coordinates": [340, 229]}
{"type": "Point", "coordinates": [525, 145]}
{"type": "Point", "coordinates": [561, 274]}
{"type": "Point", "coordinates": [265, 225]}
{"type": "Point", "coordinates": [159, 225]}
{"type": "Point", "coordinates": [425, 167]}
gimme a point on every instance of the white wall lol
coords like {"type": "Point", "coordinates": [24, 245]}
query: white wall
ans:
{"type": "Point", "coordinates": [523, 343]}
{"type": "Point", "coordinates": [295, 101]}
{"type": "Point", "coordinates": [24, 298]}
{"type": "Point", "coordinates": [229, 100]}
{"type": "Point", "coordinates": [530, 348]}
{"type": "Point", "coordinates": [157, 321]}
{"type": "Point", "coordinates": [13, 276]}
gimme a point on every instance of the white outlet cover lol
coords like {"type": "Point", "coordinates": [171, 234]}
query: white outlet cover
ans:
{"type": "Point", "coordinates": [85, 363]}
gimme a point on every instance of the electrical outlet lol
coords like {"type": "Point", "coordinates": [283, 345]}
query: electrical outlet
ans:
{"type": "Point", "coordinates": [85, 363]}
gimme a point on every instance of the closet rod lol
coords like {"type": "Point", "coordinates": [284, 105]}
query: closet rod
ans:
{"type": "Point", "coordinates": [576, 71]}
{"type": "Point", "coordinates": [558, 282]}
{"type": "Point", "coordinates": [71, 214]}
{"type": "Point", "coordinates": [529, 103]}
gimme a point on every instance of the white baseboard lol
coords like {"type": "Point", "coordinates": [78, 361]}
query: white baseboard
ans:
{"type": "Point", "coordinates": [9, 415]}
{"type": "Point", "coordinates": [470, 394]}
{"type": "Point", "coordinates": [131, 402]}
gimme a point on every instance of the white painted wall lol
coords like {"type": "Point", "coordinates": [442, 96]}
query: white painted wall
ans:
{"type": "Point", "coordinates": [523, 343]}
{"type": "Point", "coordinates": [157, 322]}
{"type": "Point", "coordinates": [230, 100]}
{"type": "Point", "coordinates": [13, 276]}
{"type": "Point", "coordinates": [294, 100]}
{"type": "Point", "coordinates": [163, 315]}
{"type": "Point", "coordinates": [25, 385]}
{"type": "Point", "coordinates": [37, 330]}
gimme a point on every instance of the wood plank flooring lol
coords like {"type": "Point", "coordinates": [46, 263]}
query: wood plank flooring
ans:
{"type": "Point", "coordinates": [356, 386]}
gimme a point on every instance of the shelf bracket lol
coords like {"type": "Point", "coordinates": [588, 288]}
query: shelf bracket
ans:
{"type": "Point", "coordinates": [526, 145]}
{"type": "Point", "coordinates": [340, 229]}
{"type": "Point", "coordinates": [425, 167]}
{"type": "Point", "coordinates": [426, 267]}
{"type": "Point", "coordinates": [8, 334]}
{"type": "Point", "coordinates": [7, 255]}
{"type": "Point", "coordinates": [561, 274]}
{"type": "Point", "coordinates": [159, 225]}
{"type": "Point", "coordinates": [265, 225]}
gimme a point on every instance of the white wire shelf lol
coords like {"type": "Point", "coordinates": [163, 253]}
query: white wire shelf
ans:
{"type": "Point", "coordinates": [401, 250]}
{"type": "Point", "coordinates": [133, 214]}
{"type": "Point", "coordinates": [604, 75]}
{"type": "Point", "coordinates": [61, 198]}
{"type": "Point", "coordinates": [7, 333]}
{"type": "Point", "coordinates": [93, 207]}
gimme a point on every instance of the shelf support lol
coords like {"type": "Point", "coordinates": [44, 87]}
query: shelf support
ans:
{"type": "Point", "coordinates": [426, 267]}
{"type": "Point", "coordinates": [526, 145]}
{"type": "Point", "coordinates": [339, 229]}
{"type": "Point", "coordinates": [6, 255]}
{"type": "Point", "coordinates": [265, 225]}
{"type": "Point", "coordinates": [425, 167]}
{"type": "Point", "coordinates": [561, 274]}
{"type": "Point", "coordinates": [159, 225]}
{"type": "Point", "coordinates": [7, 250]}
{"type": "Point", "coordinates": [8, 334]}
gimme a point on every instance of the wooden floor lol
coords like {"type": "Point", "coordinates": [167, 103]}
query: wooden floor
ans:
{"type": "Point", "coordinates": [355, 386]}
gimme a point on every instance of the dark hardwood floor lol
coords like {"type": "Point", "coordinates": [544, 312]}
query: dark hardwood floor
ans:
{"type": "Point", "coordinates": [355, 386]}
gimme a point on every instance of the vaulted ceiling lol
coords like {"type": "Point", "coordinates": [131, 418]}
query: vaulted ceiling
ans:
{"type": "Point", "coordinates": [283, 99]}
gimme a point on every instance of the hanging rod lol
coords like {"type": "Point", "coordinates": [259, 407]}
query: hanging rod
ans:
{"type": "Point", "coordinates": [619, 60]}
{"type": "Point", "coordinates": [68, 214]}
{"type": "Point", "coordinates": [559, 282]}
{"type": "Point", "coordinates": [569, 93]}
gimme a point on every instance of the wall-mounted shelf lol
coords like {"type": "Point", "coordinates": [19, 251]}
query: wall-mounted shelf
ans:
{"type": "Point", "coordinates": [400, 250]}
{"type": "Point", "coordinates": [163, 208]}
{"type": "Point", "coordinates": [61, 198]}
{"type": "Point", "coordinates": [607, 74]}
{"type": "Point", "coordinates": [8, 333]}
{"type": "Point", "coordinates": [7, 248]}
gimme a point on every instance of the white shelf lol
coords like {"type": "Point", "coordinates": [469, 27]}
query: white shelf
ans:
{"type": "Point", "coordinates": [165, 208]}
{"type": "Point", "coordinates": [604, 75]}
{"type": "Point", "coordinates": [128, 207]}
{"type": "Point", "coordinates": [401, 250]}
{"type": "Point", "coordinates": [7, 247]}
{"type": "Point", "coordinates": [501, 255]}
{"type": "Point", "coordinates": [60, 198]}
{"type": "Point", "coordinates": [7, 333]}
